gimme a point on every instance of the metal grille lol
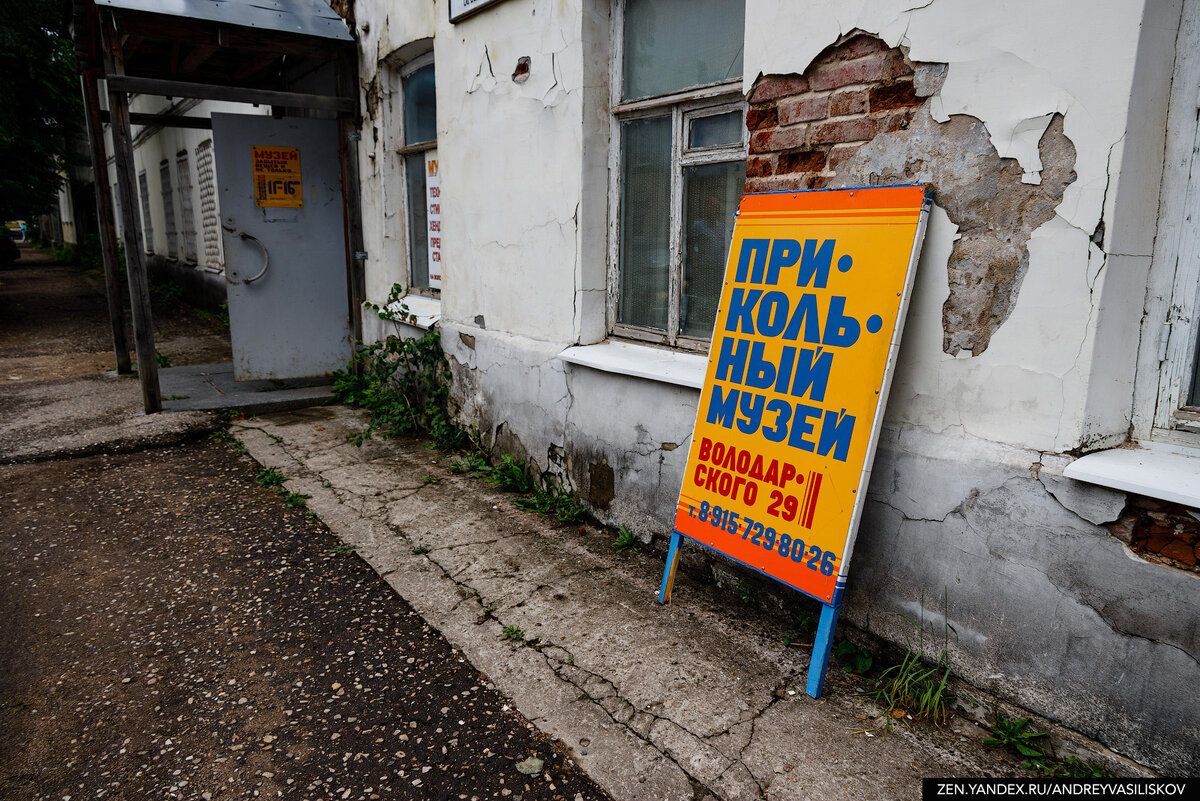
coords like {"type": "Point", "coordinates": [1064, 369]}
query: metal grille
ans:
{"type": "Point", "coordinates": [208, 206]}
{"type": "Point", "coordinates": [188, 223]}
{"type": "Point", "coordinates": [168, 200]}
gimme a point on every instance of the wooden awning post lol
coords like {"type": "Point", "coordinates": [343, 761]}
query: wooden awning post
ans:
{"type": "Point", "coordinates": [135, 260]}
{"type": "Point", "coordinates": [104, 214]}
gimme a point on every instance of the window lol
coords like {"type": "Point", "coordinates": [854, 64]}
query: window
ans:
{"type": "Point", "coordinates": [188, 228]}
{"type": "Point", "coordinates": [164, 177]}
{"type": "Point", "coordinates": [680, 138]}
{"type": "Point", "coordinates": [208, 206]}
{"type": "Point", "coordinates": [1179, 386]}
{"type": "Point", "coordinates": [421, 182]}
{"type": "Point", "coordinates": [147, 225]}
{"type": "Point", "coordinates": [1167, 388]}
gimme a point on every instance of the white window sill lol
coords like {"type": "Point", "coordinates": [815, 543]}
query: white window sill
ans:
{"type": "Point", "coordinates": [426, 310]}
{"type": "Point", "coordinates": [1153, 469]}
{"type": "Point", "coordinates": [654, 364]}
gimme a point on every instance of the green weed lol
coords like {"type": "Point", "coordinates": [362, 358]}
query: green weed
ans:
{"type": "Point", "coordinates": [293, 500]}
{"type": "Point", "coordinates": [511, 475]}
{"type": "Point", "coordinates": [854, 659]}
{"type": "Point", "coordinates": [430, 479]}
{"type": "Point", "coordinates": [513, 633]}
{"type": "Point", "coordinates": [1016, 736]}
{"type": "Point", "coordinates": [402, 382]}
{"type": "Point", "coordinates": [472, 464]}
{"type": "Point", "coordinates": [625, 540]}
{"type": "Point", "coordinates": [915, 687]}
{"type": "Point", "coordinates": [343, 549]}
{"type": "Point", "coordinates": [269, 477]}
{"type": "Point", "coordinates": [552, 501]}
{"type": "Point", "coordinates": [746, 592]}
{"type": "Point", "coordinates": [162, 359]}
{"type": "Point", "coordinates": [421, 549]}
{"type": "Point", "coordinates": [1013, 734]}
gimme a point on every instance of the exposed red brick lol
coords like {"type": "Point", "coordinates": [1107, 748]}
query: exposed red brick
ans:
{"type": "Point", "coordinates": [896, 95]}
{"type": "Point", "coordinates": [896, 65]}
{"type": "Point", "coordinates": [896, 122]}
{"type": "Point", "coordinates": [859, 45]}
{"type": "Point", "coordinates": [1180, 551]}
{"type": "Point", "coordinates": [762, 117]}
{"type": "Point", "coordinates": [1156, 542]}
{"type": "Point", "coordinates": [802, 161]}
{"type": "Point", "coordinates": [777, 183]}
{"type": "Point", "coordinates": [803, 109]}
{"type": "Point", "coordinates": [840, 154]}
{"type": "Point", "coordinates": [758, 166]}
{"type": "Point", "coordinates": [851, 101]}
{"type": "Point", "coordinates": [818, 182]}
{"type": "Point", "coordinates": [778, 139]}
{"type": "Point", "coordinates": [844, 73]}
{"type": "Point", "coordinates": [857, 129]}
{"type": "Point", "coordinates": [1122, 529]}
{"type": "Point", "coordinates": [772, 86]}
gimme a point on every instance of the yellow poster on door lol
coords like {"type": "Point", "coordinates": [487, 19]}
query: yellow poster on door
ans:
{"type": "Point", "coordinates": [816, 289]}
{"type": "Point", "coordinates": [277, 181]}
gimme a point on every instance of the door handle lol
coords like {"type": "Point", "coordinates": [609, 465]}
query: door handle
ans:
{"type": "Point", "coordinates": [266, 256]}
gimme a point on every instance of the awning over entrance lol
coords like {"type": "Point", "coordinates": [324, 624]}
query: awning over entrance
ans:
{"type": "Point", "coordinates": [246, 51]}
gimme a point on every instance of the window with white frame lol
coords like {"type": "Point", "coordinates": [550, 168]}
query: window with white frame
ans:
{"type": "Point", "coordinates": [1169, 410]}
{"type": "Point", "coordinates": [422, 186]}
{"type": "Point", "coordinates": [679, 144]}
{"type": "Point", "coordinates": [1179, 382]}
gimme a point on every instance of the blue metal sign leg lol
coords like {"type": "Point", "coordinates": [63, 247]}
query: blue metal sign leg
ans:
{"type": "Point", "coordinates": [668, 579]}
{"type": "Point", "coordinates": [822, 647]}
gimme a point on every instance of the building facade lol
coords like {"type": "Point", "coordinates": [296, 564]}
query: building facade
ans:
{"type": "Point", "coordinates": [554, 182]}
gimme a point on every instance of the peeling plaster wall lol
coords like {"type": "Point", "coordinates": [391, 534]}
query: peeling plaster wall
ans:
{"type": "Point", "coordinates": [1064, 103]}
{"type": "Point", "coordinates": [512, 198]}
{"type": "Point", "coordinates": [1078, 61]}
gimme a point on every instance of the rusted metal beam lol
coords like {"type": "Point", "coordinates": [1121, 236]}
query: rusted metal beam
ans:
{"type": "Point", "coordinates": [207, 91]}
{"type": "Point", "coordinates": [106, 221]}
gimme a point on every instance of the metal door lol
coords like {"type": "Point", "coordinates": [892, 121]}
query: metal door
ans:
{"type": "Point", "coordinates": [285, 259]}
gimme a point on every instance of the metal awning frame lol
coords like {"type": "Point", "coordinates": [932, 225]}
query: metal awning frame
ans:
{"type": "Point", "coordinates": [172, 63]}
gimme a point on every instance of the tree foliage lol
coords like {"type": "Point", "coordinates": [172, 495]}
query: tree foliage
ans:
{"type": "Point", "coordinates": [40, 108]}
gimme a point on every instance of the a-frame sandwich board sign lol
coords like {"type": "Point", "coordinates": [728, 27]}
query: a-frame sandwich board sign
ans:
{"type": "Point", "coordinates": [816, 289]}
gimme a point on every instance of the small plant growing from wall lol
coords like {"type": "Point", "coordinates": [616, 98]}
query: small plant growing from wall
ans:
{"type": "Point", "coordinates": [402, 382]}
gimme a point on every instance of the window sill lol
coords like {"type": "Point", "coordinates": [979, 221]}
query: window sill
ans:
{"type": "Point", "coordinates": [640, 361]}
{"type": "Point", "coordinates": [1153, 469]}
{"type": "Point", "coordinates": [426, 310]}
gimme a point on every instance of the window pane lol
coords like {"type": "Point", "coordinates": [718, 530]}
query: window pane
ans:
{"type": "Point", "coordinates": [710, 198]}
{"type": "Point", "coordinates": [418, 244]}
{"type": "Point", "coordinates": [719, 129]}
{"type": "Point", "coordinates": [420, 107]}
{"type": "Point", "coordinates": [675, 44]}
{"type": "Point", "coordinates": [645, 222]}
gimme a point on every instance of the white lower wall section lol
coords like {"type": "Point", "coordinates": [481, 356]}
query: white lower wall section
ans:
{"type": "Point", "coordinates": [1050, 611]}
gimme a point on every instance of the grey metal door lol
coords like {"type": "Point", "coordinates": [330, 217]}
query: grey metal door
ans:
{"type": "Point", "coordinates": [285, 261]}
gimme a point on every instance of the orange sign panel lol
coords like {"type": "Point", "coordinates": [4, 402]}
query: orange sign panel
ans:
{"type": "Point", "coordinates": [277, 181]}
{"type": "Point", "coordinates": [816, 289]}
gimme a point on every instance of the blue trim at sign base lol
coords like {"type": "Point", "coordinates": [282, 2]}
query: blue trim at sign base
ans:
{"type": "Point", "coordinates": [822, 644]}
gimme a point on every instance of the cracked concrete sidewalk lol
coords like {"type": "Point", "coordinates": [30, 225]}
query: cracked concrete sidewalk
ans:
{"type": "Point", "coordinates": [696, 700]}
